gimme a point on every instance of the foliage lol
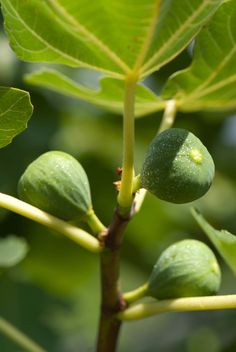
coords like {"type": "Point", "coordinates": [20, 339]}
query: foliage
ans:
{"type": "Point", "coordinates": [223, 240]}
{"type": "Point", "coordinates": [13, 103]}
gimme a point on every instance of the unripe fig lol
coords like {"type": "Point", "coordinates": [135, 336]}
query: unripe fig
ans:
{"type": "Point", "coordinates": [177, 168]}
{"type": "Point", "coordinates": [56, 183]}
{"type": "Point", "coordinates": [186, 268]}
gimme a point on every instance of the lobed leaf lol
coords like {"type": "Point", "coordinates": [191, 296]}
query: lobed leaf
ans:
{"type": "Point", "coordinates": [223, 240]}
{"type": "Point", "coordinates": [114, 37]}
{"type": "Point", "coordinates": [109, 96]}
{"type": "Point", "coordinates": [12, 250]}
{"type": "Point", "coordinates": [210, 81]}
{"type": "Point", "coordinates": [15, 111]}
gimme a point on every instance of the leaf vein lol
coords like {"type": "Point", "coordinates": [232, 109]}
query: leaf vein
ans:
{"type": "Point", "coordinates": [11, 106]}
{"type": "Point", "coordinates": [211, 89]}
{"type": "Point", "coordinates": [173, 38]}
{"type": "Point", "coordinates": [99, 43]}
{"type": "Point", "coordinates": [56, 50]}
{"type": "Point", "coordinates": [150, 31]}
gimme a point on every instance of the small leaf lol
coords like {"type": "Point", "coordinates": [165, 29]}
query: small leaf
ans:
{"type": "Point", "coordinates": [223, 240]}
{"type": "Point", "coordinates": [210, 81]}
{"type": "Point", "coordinates": [12, 250]}
{"type": "Point", "coordinates": [114, 37]}
{"type": "Point", "coordinates": [109, 96]}
{"type": "Point", "coordinates": [15, 111]}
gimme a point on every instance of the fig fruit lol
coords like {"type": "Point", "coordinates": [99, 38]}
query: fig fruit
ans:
{"type": "Point", "coordinates": [177, 168]}
{"type": "Point", "coordinates": [185, 269]}
{"type": "Point", "coordinates": [56, 183]}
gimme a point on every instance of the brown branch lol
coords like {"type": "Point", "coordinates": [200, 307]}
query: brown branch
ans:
{"type": "Point", "coordinates": [111, 299]}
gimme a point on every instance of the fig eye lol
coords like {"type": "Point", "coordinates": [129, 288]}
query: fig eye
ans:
{"type": "Point", "coordinates": [196, 156]}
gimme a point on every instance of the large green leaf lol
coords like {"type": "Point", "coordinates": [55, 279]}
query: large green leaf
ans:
{"type": "Point", "coordinates": [12, 250]}
{"type": "Point", "coordinates": [110, 95]}
{"type": "Point", "coordinates": [210, 81]}
{"type": "Point", "coordinates": [15, 111]}
{"type": "Point", "coordinates": [110, 36]}
{"type": "Point", "coordinates": [223, 240]}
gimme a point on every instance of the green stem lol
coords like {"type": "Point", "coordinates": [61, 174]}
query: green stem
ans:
{"type": "Point", "coordinates": [136, 294]}
{"type": "Point", "coordinates": [125, 197]}
{"type": "Point", "coordinates": [136, 184]}
{"type": "Point", "coordinates": [144, 310]}
{"type": "Point", "coordinates": [74, 233]}
{"type": "Point", "coordinates": [94, 223]}
{"type": "Point", "coordinates": [169, 116]}
{"type": "Point", "coordinates": [19, 337]}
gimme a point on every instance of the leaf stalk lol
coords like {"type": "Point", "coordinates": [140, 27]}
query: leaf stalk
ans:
{"type": "Point", "coordinates": [125, 197]}
{"type": "Point", "coordinates": [168, 116]}
{"type": "Point", "coordinates": [145, 310]}
{"type": "Point", "coordinates": [76, 234]}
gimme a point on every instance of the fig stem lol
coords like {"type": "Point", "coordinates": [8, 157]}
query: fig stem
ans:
{"type": "Point", "coordinates": [136, 294]}
{"type": "Point", "coordinates": [136, 184]}
{"type": "Point", "coordinates": [145, 310]}
{"type": "Point", "coordinates": [125, 196]}
{"type": "Point", "coordinates": [19, 337]}
{"type": "Point", "coordinates": [76, 234]}
{"type": "Point", "coordinates": [168, 116]}
{"type": "Point", "coordinates": [94, 222]}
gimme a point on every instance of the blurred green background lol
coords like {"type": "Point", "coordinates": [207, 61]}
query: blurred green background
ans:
{"type": "Point", "coordinates": [53, 294]}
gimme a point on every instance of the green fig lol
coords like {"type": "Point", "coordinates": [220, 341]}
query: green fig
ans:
{"type": "Point", "coordinates": [185, 269]}
{"type": "Point", "coordinates": [56, 183]}
{"type": "Point", "coordinates": [178, 168]}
